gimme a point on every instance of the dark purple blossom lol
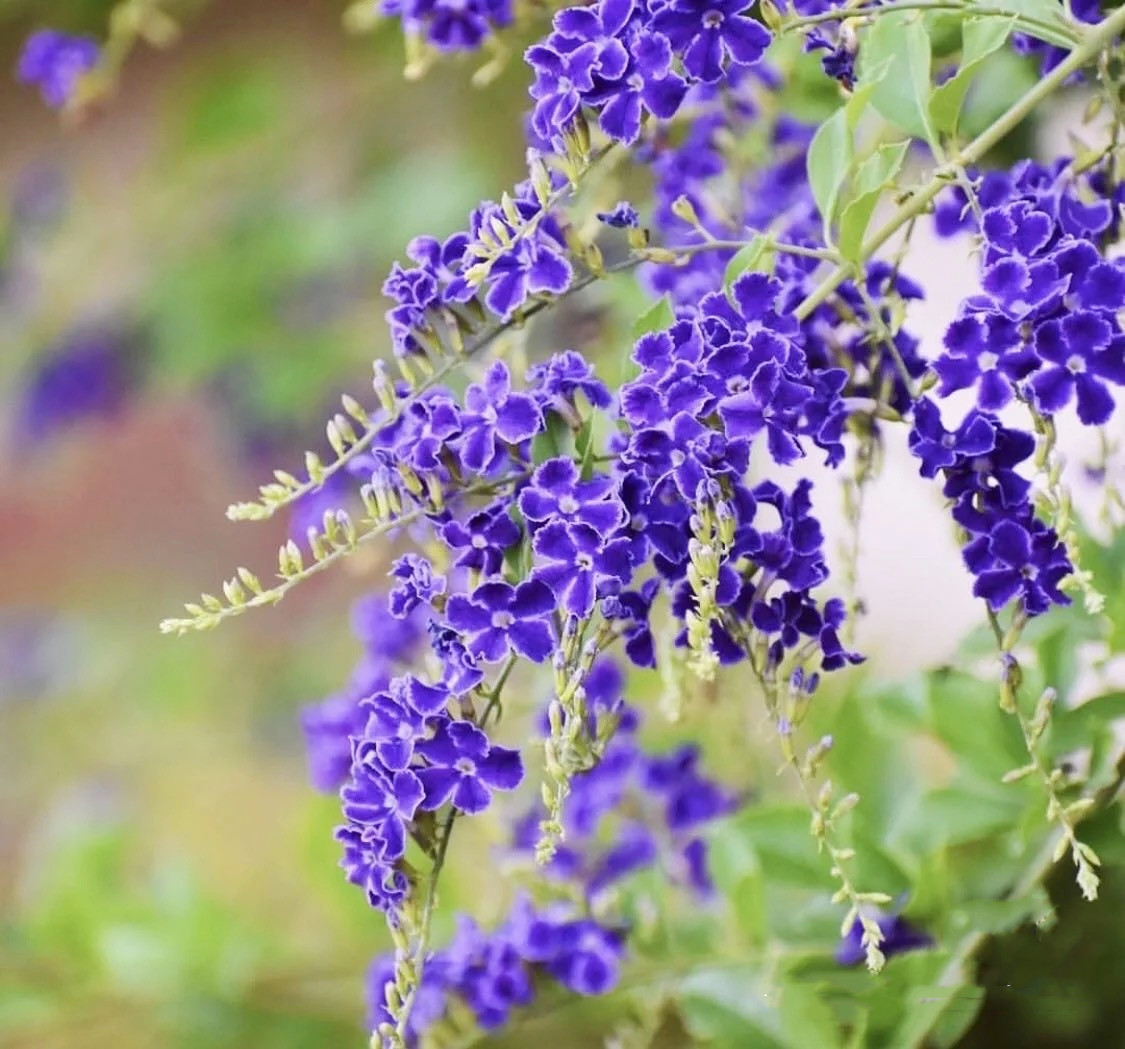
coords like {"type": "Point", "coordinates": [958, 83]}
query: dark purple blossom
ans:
{"type": "Point", "coordinates": [556, 384]}
{"type": "Point", "coordinates": [460, 672]}
{"type": "Point", "coordinates": [417, 585]}
{"type": "Point", "coordinates": [55, 62]}
{"type": "Point", "coordinates": [365, 864]}
{"type": "Point", "coordinates": [86, 375]}
{"type": "Point", "coordinates": [482, 540]}
{"type": "Point", "coordinates": [1019, 559]}
{"type": "Point", "coordinates": [382, 803]}
{"type": "Point", "coordinates": [579, 566]}
{"type": "Point", "coordinates": [450, 25]}
{"type": "Point", "coordinates": [708, 33]}
{"type": "Point", "coordinates": [493, 411]}
{"type": "Point", "coordinates": [499, 618]}
{"type": "Point", "coordinates": [623, 216]}
{"type": "Point", "coordinates": [899, 936]}
{"type": "Point", "coordinates": [465, 766]}
{"type": "Point", "coordinates": [1080, 353]}
{"type": "Point", "coordinates": [557, 494]}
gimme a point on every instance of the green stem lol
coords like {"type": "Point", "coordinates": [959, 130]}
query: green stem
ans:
{"type": "Point", "coordinates": [1098, 37]}
{"type": "Point", "coordinates": [209, 617]}
{"type": "Point", "coordinates": [1034, 26]}
{"type": "Point", "coordinates": [426, 925]}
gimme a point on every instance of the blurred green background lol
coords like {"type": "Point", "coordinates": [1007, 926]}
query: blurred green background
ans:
{"type": "Point", "coordinates": [213, 239]}
{"type": "Point", "coordinates": [167, 876]}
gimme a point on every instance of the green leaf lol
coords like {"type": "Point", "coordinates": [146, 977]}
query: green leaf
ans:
{"type": "Point", "coordinates": [830, 154]}
{"type": "Point", "coordinates": [747, 259]}
{"type": "Point", "coordinates": [1071, 729]}
{"type": "Point", "coordinates": [902, 95]}
{"type": "Point", "coordinates": [806, 1017]}
{"type": "Point", "coordinates": [658, 317]}
{"type": "Point", "coordinates": [969, 811]}
{"type": "Point", "coordinates": [871, 178]}
{"type": "Point", "coordinates": [979, 38]}
{"type": "Point", "coordinates": [965, 715]}
{"type": "Point", "coordinates": [784, 844]}
{"type": "Point", "coordinates": [729, 1009]}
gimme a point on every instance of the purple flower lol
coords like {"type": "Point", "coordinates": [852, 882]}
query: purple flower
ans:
{"type": "Point", "coordinates": [579, 566]}
{"type": "Point", "coordinates": [1021, 559]}
{"type": "Point", "coordinates": [689, 798]}
{"type": "Point", "coordinates": [586, 957]}
{"type": "Point", "coordinates": [646, 83]}
{"type": "Point", "coordinates": [492, 411]}
{"type": "Point", "coordinates": [426, 429]}
{"type": "Point", "coordinates": [708, 32]}
{"type": "Point", "coordinates": [451, 25]}
{"type": "Point", "coordinates": [418, 584]}
{"type": "Point", "coordinates": [839, 61]}
{"type": "Point", "coordinates": [556, 384]}
{"type": "Point", "coordinates": [769, 404]}
{"type": "Point", "coordinates": [623, 216]}
{"type": "Point", "coordinates": [533, 266]}
{"type": "Point", "coordinates": [55, 62]}
{"type": "Point", "coordinates": [557, 494]}
{"type": "Point", "coordinates": [562, 77]}
{"type": "Point", "coordinates": [364, 863]}
{"type": "Point", "coordinates": [899, 936]}
{"type": "Point", "coordinates": [687, 452]}
{"type": "Point", "coordinates": [634, 849]}
{"type": "Point", "coordinates": [482, 540]}
{"type": "Point", "coordinates": [464, 765]}
{"type": "Point", "coordinates": [382, 802]}
{"type": "Point", "coordinates": [499, 618]}
{"type": "Point", "coordinates": [488, 972]}
{"type": "Point", "coordinates": [1081, 352]}
{"type": "Point", "coordinates": [460, 672]}
{"type": "Point", "coordinates": [396, 719]}
{"type": "Point", "coordinates": [984, 348]}
{"type": "Point", "coordinates": [415, 292]}
{"type": "Point", "coordinates": [634, 607]}
{"type": "Point", "coordinates": [86, 375]}
{"type": "Point", "coordinates": [937, 448]}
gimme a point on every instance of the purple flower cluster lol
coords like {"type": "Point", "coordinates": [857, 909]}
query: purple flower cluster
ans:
{"type": "Point", "coordinates": [776, 197]}
{"type": "Point", "coordinates": [54, 62]}
{"type": "Point", "coordinates": [1011, 554]}
{"type": "Point", "coordinates": [510, 253]}
{"type": "Point", "coordinates": [710, 386]}
{"type": "Point", "coordinates": [627, 59]}
{"type": "Point", "coordinates": [495, 972]}
{"type": "Point", "coordinates": [668, 800]}
{"type": "Point", "coordinates": [412, 756]}
{"type": "Point", "coordinates": [450, 25]}
{"type": "Point", "coordinates": [1046, 326]}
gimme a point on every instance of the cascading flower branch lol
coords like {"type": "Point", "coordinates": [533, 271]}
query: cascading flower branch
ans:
{"type": "Point", "coordinates": [557, 522]}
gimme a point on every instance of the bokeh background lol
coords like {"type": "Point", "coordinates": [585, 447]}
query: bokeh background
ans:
{"type": "Point", "coordinates": [189, 278]}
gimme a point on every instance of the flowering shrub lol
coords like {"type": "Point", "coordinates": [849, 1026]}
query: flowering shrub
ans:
{"type": "Point", "coordinates": [562, 528]}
